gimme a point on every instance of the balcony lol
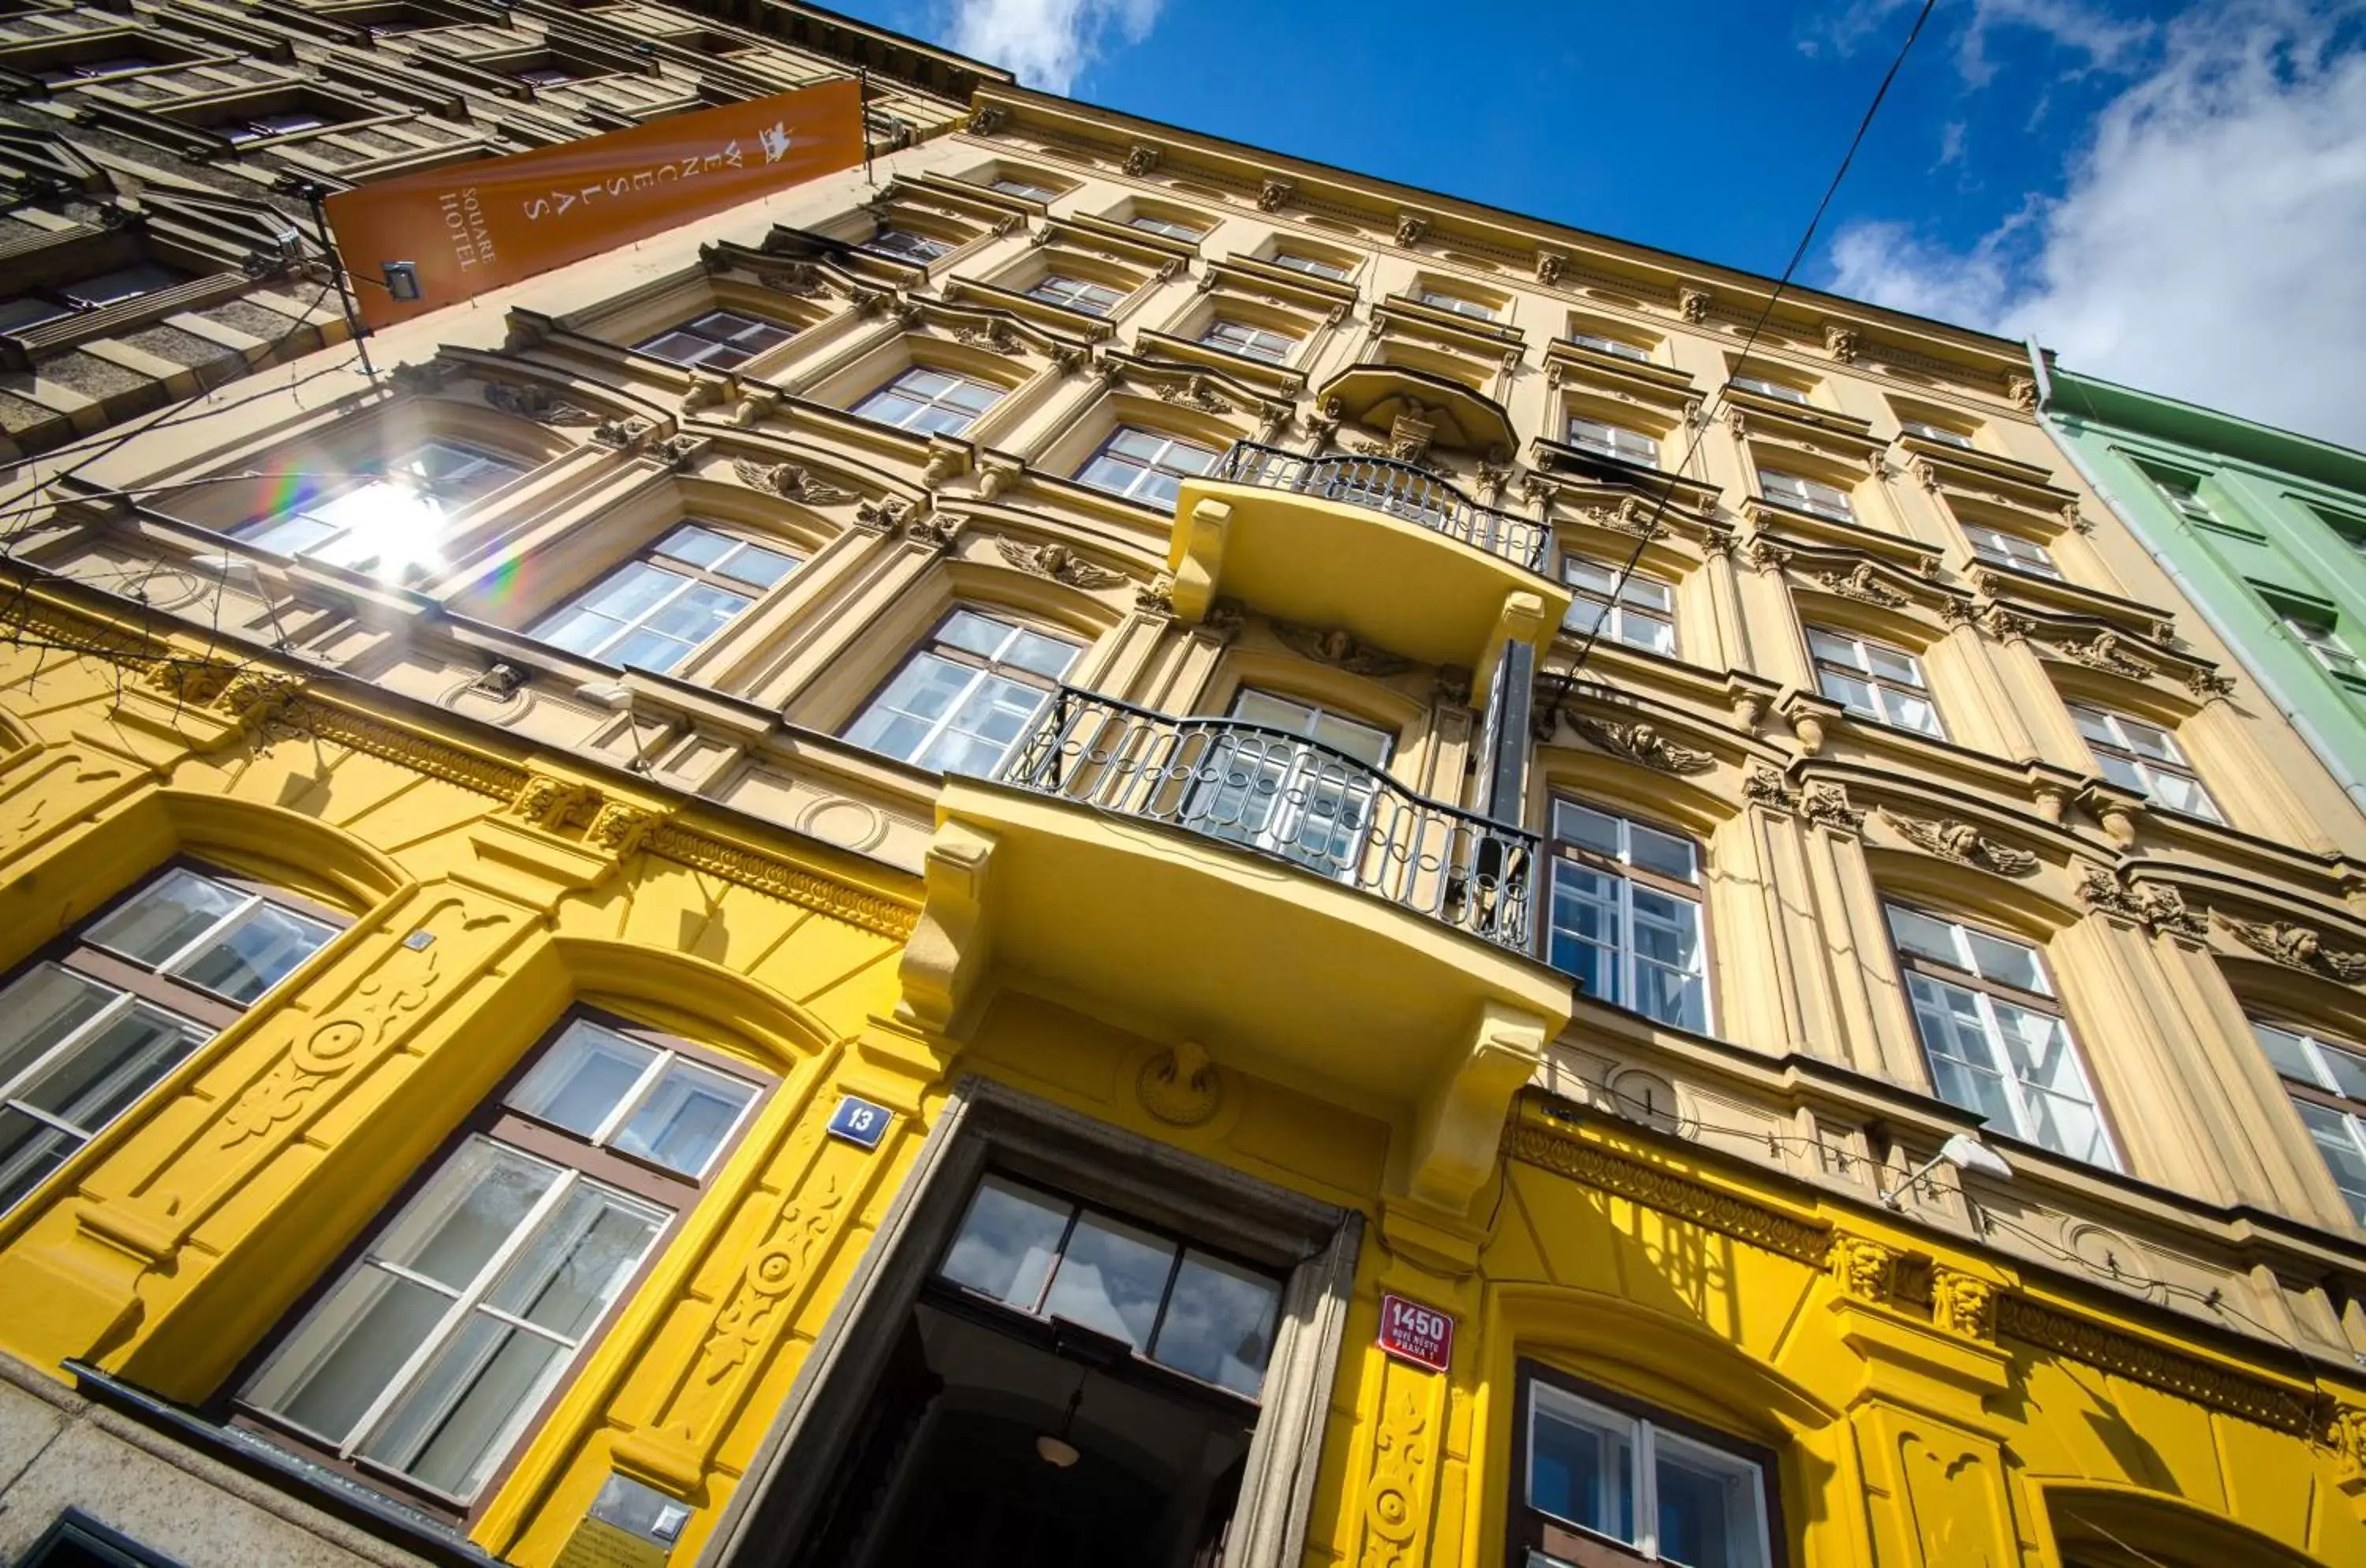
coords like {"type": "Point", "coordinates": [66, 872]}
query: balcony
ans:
{"type": "Point", "coordinates": [1297, 913]}
{"type": "Point", "coordinates": [1385, 551]}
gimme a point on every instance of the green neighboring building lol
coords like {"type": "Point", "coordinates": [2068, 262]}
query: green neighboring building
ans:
{"type": "Point", "coordinates": [2265, 529]}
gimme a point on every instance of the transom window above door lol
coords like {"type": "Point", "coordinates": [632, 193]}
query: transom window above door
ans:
{"type": "Point", "coordinates": [1613, 441]}
{"type": "Point", "coordinates": [1994, 1035]}
{"type": "Point", "coordinates": [1873, 679]}
{"type": "Point", "coordinates": [652, 612]}
{"type": "Point", "coordinates": [1604, 1483]}
{"type": "Point", "coordinates": [961, 701]}
{"type": "Point", "coordinates": [935, 401]}
{"type": "Point", "coordinates": [1146, 465]}
{"type": "Point", "coordinates": [1182, 1306]}
{"type": "Point", "coordinates": [719, 340]}
{"type": "Point", "coordinates": [90, 1028]}
{"type": "Point", "coordinates": [1076, 294]}
{"type": "Point", "coordinates": [388, 525]}
{"type": "Point", "coordinates": [1257, 343]}
{"type": "Point", "coordinates": [2145, 758]}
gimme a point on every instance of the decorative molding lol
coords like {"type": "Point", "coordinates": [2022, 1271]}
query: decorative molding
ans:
{"type": "Point", "coordinates": [1863, 584]}
{"type": "Point", "coordinates": [1826, 805]}
{"type": "Point", "coordinates": [1961, 842]}
{"type": "Point", "coordinates": [1274, 194]}
{"type": "Point", "coordinates": [793, 481]}
{"type": "Point", "coordinates": [1642, 743]}
{"type": "Point", "coordinates": [1550, 263]}
{"type": "Point", "coordinates": [1765, 786]}
{"type": "Point", "coordinates": [2102, 651]}
{"type": "Point", "coordinates": [540, 405]}
{"type": "Point", "coordinates": [1682, 1197]}
{"type": "Point", "coordinates": [1059, 563]}
{"type": "Point", "coordinates": [1156, 597]}
{"type": "Point", "coordinates": [987, 119]}
{"type": "Point", "coordinates": [2139, 1361]}
{"type": "Point", "coordinates": [1862, 1268]}
{"type": "Point", "coordinates": [1963, 1304]}
{"type": "Point", "coordinates": [2296, 947]}
{"type": "Point", "coordinates": [1180, 1086]}
{"type": "Point", "coordinates": [1694, 304]}
{"type": "Point", "coordinates": [2207, 683]}
{"type": "Point", "coordinates": [1410, 227]}
{"type": "Point", "coordinates": [1630, 516]}
{"type": "Point", "coordinates": [1140, 159]}
{"type": "Point", "coordinates": [764, 873]}
{"type": "Point", "coordinates": [1339, 650]}
{"type": "Point", "coordinates": [626, 434]}
{"type": "Point", "coordinates": [802, 279]}
{"type": "Point", "coordinates": [372, 737]}
{"type": "Point", "coordinates": [1840, 343]}
{"type": "Point", "coordinates": [2022, 390]}
{"type": "Point", "coordinates": [1197, 391]}
{"type": "Point", "coordinates": [994, 335]}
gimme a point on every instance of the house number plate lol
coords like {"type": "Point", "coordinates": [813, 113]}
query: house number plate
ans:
{"type": "Point", "coordinates": [1412, 1332]}
{"type": "Point", "coordinates": [860, 1122]}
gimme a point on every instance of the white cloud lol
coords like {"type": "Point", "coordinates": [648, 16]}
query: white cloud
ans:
{"type": "Point", "coordinates": [1047, 43]}
{"type": "Point", "coordinates": [2208, 244]}
{"type": "Point", "coordinates": [2105, 42]}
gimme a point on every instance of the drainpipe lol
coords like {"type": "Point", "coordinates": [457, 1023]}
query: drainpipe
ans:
{"type": "Point", "coordinates": [2352, 786]}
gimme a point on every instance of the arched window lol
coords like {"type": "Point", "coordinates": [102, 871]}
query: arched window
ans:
{"type": "Point", "coordinates": [425, 1364]}
{"type": "Point", "coordinates": [96, 1021]}
{"type": "Point", "coordinates": [391, 519]}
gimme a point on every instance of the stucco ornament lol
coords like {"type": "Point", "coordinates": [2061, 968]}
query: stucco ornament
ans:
{"type": "Point", "coordinates": [1643, 743]}
{"type": "Point", "coordinates": [540, 405]}
{"type": "Point", "coordinates": [2296, 947]}
{"type": "Point", "coordinates": [1338, 648]}
{"type": "Point", "coordinates": [1827, 805]}
{"type": "Point", "coordinates": [1961, 842]}
{"type": "Point", "coordinates": [1862, 1268]}
{"type": "Point", "coordinates": [1863, 584]}
{"type": "Point", "coordinates": [1059, 563]}
{"type": "Point", "coordinates": [1180, 1086]}
{"type": "Point", "coordinates": [793, 481]}
{"type": "Point", "coordinates": [1963, 1304]}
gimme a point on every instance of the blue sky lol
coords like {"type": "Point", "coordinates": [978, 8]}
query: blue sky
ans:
{"type": "Point", "coordinates": [2172, 193]}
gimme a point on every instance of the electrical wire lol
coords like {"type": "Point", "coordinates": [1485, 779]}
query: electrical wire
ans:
{"type": "Point", "coordinates": [1700, 427]}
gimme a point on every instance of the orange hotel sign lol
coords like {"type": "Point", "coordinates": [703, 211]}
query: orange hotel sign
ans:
{"type": "Point", "coordinates": [476, 226]}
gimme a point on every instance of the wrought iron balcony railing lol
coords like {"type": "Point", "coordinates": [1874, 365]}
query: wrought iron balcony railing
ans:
{"type": "Point", "coordinates": [1400, 490]}
{"type": "Point", "coordinates": [1281, 795]}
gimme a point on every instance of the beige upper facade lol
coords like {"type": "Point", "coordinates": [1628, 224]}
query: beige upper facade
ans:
{"type": "Point", "coordinates": [1894, 748]}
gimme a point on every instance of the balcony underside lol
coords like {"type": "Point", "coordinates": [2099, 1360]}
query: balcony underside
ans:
{"type": "Point", "coordinates": [1275, 970]}
{"type": "Point", "coordinates": [1387, 581]}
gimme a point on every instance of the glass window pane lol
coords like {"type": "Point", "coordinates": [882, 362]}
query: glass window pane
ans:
{"type": "Point", "coordinates": [2348, 1069]}
{"type": "Point", "coordinates": [757, 567]}
{"type": "Point", "coordinates": [1219, 1323]}
{"type": "Point", "coordinates": [107, 1069]}
{"type": "Point", "coordinates": [41, 1008]}
{"type": "Point", "coordinates": [1662, 852]}
{"type": "Point", "coordinates": [457, 1420]}
{"type": "Point", "coordinates": [330, 1372]}
{"type": "Point", "coordinates": [1583, 824]}
{"type": "Point", "coordinates": [1838, 650]}
{"type": "Point", "coordinates": [580, 1081]}
{"type": "Point", "coordinates": [1111, 1278]}
{"type": "Point", "coordinates": [577, 1261]}
{"type": "Point", "coordinates": [2336, 1140]}
{"type": "Point", "coordinates": [1581, 1464]}
{"type": "Point", "coordinates": [1044, 655]}
{"type": "Point", "coordinates": [255, 955]}
{"type": "Point", "coordinates": [1007, 1242]}
{"type": "Point", "coordinates": [699, 547]}
{"type": "Point", "coordinates": [2288, 1052]}
{"type": "Point", "coordinates": [1710, 1507]}
{"type": "Point", "coordinates": [29, 1150]}
{"type": "Point", "coordinates": [967, 629]}
{"type": "Point", "coordinates": [2006, 963]}
{"type": "Point", "coordinates": [165, 916]}
{"type": "Point", "coordinates": [475, 1202]}
{"type": "Point", "coordinates": [685, 1118]}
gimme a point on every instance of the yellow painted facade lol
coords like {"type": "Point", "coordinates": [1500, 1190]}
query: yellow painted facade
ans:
{"type": "Point", "coordinates": [2142, 1350]}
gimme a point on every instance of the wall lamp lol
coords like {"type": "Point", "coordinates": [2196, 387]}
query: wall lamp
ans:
{"type": "Point", "coordinates": [1964, 1152]}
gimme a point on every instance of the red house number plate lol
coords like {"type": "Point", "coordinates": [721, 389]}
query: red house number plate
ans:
{"type": "Point", "coordinates": [1412, 1332]}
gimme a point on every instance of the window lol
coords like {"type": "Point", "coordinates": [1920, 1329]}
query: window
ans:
{"type": "Point", "coordinates": [1182, 1306]}
{"type": "Point", "coordinates": [1440, 300]}
{"type": "Point", "coordinates": [2145, 758]}
{"type": "Point", "coordinates": [1593, 1472]}
{"type": "Point", "coordinates": [390, 523]}
{"type": "Point", "coordinates": [430, 1357]}
{"type": "Point", "coordinates": [547, 76]}
{"type": "Point", "coordinates": [1174, 229]}
{"type": "Point", "coordinates": [1765, 389]}
{"type": "Point", "coordinates": [2184, 493]}
{"type": "Point", "coordinates": [960, 702]}
{"type": "Point", "coordinates": [85, 1034]}
{"type": "Point", "coordinates": [262, 126]}
{"type": "Point", "coordinates": [1257, 343]}
{"type": "Point", "coordinates": [1638, 611]}
{"type": "Point", "coordinates": [651, 613]}
{"type": "Point", "coordinates": [1627, 915]}
{"type": "Point", "coordinates": [1610, 345]}
{"type": "Point", "coordinates": [1994, 1035]}
{"type": "Point", "coordinates": [2010, 550]}
{"type": "Point", "coordinates": [1940, 434]}
{"type": "Point", "coordinates": [1805, 495]}
{"type": "Point", "coordinates": [905, 246]}
{"type": "Point", "coordinates": [2325, 646]}
{"type": "Point", "coordinates": [720, 340]}
{"type": "Point", "coordinates": [31, 308]}
{"type": "Point", "coordinates": [1032, 192]}
{"type": "Point", "coordinates": [67, 75]}
{"type": "Point", "coordinates": [1873, 679]}
{"type": "Point", "coordinates": [2328, 1084]}
{"type": "Point", "coordinates": [936, 401]}
{"type": "Point", "coordinates": [1613, 441]}
{"type": "Point", "coordinates": [1312, 266]}
{"type": "Point", "coordinates": [1076, 294]}
{"type": "Point", "coordinates": [1264, 787]}
{"type": "Point", "coordinates": [1142, 465]}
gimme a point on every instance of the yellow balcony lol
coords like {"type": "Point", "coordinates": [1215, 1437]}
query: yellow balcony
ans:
{"type": "Point", "coordinates": [1385, 551]}
{"type": "Point", "coordinates": [1282, 906]}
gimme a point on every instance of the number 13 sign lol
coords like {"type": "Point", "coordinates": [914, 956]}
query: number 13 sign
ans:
{"type": "Point", "coordinates": [1412, 1332]}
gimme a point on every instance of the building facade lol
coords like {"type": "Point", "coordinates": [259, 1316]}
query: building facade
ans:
{"type": "Point", "coordinates": [159, 162]}
{"type": "Point", "coordinates": [2263, 530]}
{"type": "Point", "coordinates": [1110, 848]}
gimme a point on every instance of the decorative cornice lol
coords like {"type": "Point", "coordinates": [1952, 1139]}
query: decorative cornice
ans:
{"type": "Point", "coordinates": [1961, 842]}
{"type": "Point", "coordinates": [373, 736]}
{"type": "Point", "coordinates": [2296, 947]}
{"type": "Point", "coordinates": [1641, 742]}
{"type": "Point", "coordinates": [755, 868]}
{"type": "Point", "coordinates": [1704, 1205]}
{"type": "Point", "coordinates": [2140, 1361]}
{"type": "Point", "coordinates": [2102, 652]}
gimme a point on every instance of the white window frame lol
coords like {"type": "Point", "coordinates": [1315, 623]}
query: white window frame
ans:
{"type": "Point", "coordinates": [1633, 605]}
{"type": "Point", "coordinates": [1314, 267]}
{"type": "Point", "coordinates": [1157, 463]}
{"type": "Point", "coordinates": [2149, 770]}
{"type": "Point", "coordinates": [1623, 872]}
{"type": "Point", "coordinates": [1458, 304]}
{"type": "Point", "coordinates": [1615, 347]}
{"type": "Point", "coordinates": [1882, 686]}
{"type": "Point", "coordinates": [2010, 551]}
{"type": "Point", "coordinates": [1078, 294]}
{"type": "Point", "coordinates": [936, 400]}
{"type": "Point", "coordinates": [1644, 1437]}
{"type": "Point", "coordinates": [1173, 228]}
{"type": "Point", "coordinates": [2347, 1117]}
{"type": "Point", "coordinates": [1253, 341]}
{"type": "Point", "coordinates": [923, 249]}
{"type": "Point", "coordinates": [2325, 644]}
{"type": "Point", "coordinates": [1922, 431]}
{"type": "Point", "coordinates": [711, 357]}
{"type": "Point", "coordinates": [981, 667]}
{"type": "Point", "coordinates": [1012, 184]}
{"type": "Point", "coordinates": [1614, 441]}
{"type": "Point", "coordinates": [1781, 392]}
{"type": "Point", "coordinates": [689, 575]}
{"type": "Point", "coordinates": [1804, 494]}
{"type": "Point", "coordinates": [405, 486]}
